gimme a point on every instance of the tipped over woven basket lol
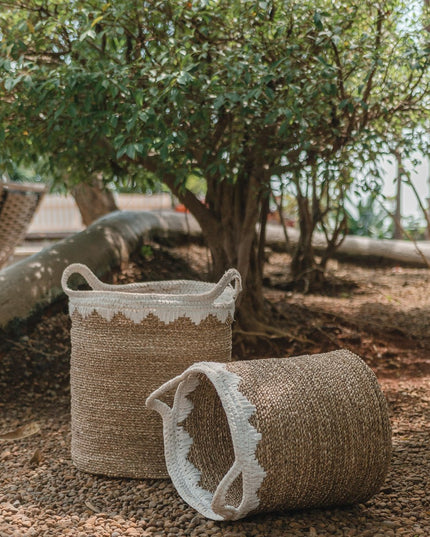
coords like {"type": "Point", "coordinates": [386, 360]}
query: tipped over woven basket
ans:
{"type": "Point", "coordinates": [275, 434]}
{"type": "Point", "coordinates": [126, 341]}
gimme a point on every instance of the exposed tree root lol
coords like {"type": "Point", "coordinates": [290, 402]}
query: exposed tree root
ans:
{"type": "Point", "coordinates": [248, 328]}
{"type": "Point", "coordinates": [283, 334]}
{"type": "Point", "coordinates": [325, 334]}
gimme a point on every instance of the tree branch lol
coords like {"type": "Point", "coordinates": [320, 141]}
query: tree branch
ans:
{"type": "Point", "coordinates": [340, 76]}
{"type": "Point", "coordinates": [369, 83]}
{"type": "Point", "coordinates": [197, 208]}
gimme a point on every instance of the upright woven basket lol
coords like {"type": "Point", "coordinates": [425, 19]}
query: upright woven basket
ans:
{"type": "Point", "coordinates": [275, 434]}
{"type": "Point", "coordinates": [126, 341]}
{"type": "Point", "coordinates": [18, 203]}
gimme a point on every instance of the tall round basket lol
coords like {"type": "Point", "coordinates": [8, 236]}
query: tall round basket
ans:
{"type": "Point", "coordinates": [126, 341]}
{"type": "Point", "coordinates": [275, 434]}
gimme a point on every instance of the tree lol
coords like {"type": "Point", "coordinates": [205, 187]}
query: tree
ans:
{"type": "Point", "coordinates": [93, 199]}
{"type": "Point", "coordinates": [235, 92]}
{"type": "Point", "coordinates": [372, 71]}
{"type": "Point", "coordinates": [398, 234]}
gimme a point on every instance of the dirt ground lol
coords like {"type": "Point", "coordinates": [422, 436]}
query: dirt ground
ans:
{"type": "Point", "coordinates": [380, 313]}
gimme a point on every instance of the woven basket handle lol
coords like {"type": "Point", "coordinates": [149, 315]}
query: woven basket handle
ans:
{"type": "Point", "coordinates": [86, 273]}
{"type": "Point", "coordinates": [219, 504]}
{"type": "Point", "coordinates": [232, 275]}
{"type": "Point", "coordinates": [154, 403]}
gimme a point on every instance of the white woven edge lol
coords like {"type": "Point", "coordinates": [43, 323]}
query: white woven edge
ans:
{"type": "Point", "coordinates": [166, 311]}
{"type": "Point", "coordinates": [177, 442]}
{"type": "Point", "coordinates": [167, 300]}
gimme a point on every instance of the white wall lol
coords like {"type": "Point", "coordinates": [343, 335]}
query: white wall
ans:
{"type": "Point", "coordinates": [419, 177]}
{"type": "Point", "coordinates": [59, 214]}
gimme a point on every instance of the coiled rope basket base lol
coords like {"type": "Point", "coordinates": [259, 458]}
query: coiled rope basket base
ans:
{"type": "Point", "coordinates": [126, 341]}
{"type": "Point", "coordinates": [275, 434]}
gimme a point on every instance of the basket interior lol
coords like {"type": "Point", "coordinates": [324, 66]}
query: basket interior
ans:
{"type": "Point", "coordinates": [212, 451]}
{"type": "Point", "coordinates": [168, 288]}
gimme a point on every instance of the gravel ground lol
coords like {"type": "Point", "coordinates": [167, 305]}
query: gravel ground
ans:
{"type": "Point", "coordinates": [43, 494]}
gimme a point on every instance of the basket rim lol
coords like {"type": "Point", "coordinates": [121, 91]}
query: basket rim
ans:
{"type": "Point", "coordinates": [245, 438]}
{"type": "Point", "coordinates": [136, 292]}
{"type": "Point", "coordinates": [208, 291]}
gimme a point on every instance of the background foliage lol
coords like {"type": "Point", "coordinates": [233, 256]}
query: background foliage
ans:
{"type": "Point", "coordinates": [232, 92]}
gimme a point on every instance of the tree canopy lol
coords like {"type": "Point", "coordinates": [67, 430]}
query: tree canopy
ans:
{"type": "Point", "coordinates": [236, 92]}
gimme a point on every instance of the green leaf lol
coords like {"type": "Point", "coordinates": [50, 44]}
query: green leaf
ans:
{"type": "Point", "coordinates": [270, 93]}
{"type": "Point", "coordinates": [219, 101]}
{"type": "Point", "coordinates": [317, 21]}
{"type": "Point", "coordinates": [164, 152]}
{"type": "Point", "coordinates": [121, 152]}
{"type": "Point", "coordinates": [89, 33]}
{"type": "Point", "coordinates": [131, 151]}
{"type": "Point", "coordinates": [233, 97]}
{"type": "Point", "coordinates": [184, 77]}
{"type": "Point", "coordinates": [119, 141]}
{"type": "Point", "coordinates": [9, 83]}
{"type": "Point", "coordinates": [139, 148]}
{"type": "Point", "coordinates": [284, 128]}
{"type": "Point", "coordinates": [131, 123]}
{"type": "Point", "coordinates": [139, 98]}
{"type": "Point", "coordinates": [96, 20]}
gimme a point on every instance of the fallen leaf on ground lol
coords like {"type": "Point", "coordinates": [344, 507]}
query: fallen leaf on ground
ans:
{"type": "Point", "coordinates": [37, 457]}
{"type": "Point", "coordinates": [21, 432]}
{"type": "Point", "coordinates": [5, 455]}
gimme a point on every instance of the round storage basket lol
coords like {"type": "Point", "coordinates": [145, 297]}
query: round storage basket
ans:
{"type": "Point", "coordinates": [275, 434]}
{"type": "Point", "coordinates": [126, 341]}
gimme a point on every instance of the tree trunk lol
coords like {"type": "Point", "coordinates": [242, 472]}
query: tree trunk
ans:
{"type": "Point", "coordinates": [427, 206]}
{"type": "Point", "coordinates": [398, 231]}
{"type": "Point", "coordinates": [93, 200]}
{"type": "Point", "coordinates": [228, 221]}
{"type": "Point", "coordinates": [304, 270]}
{"type": "Point", "coordinates": [235, 243]}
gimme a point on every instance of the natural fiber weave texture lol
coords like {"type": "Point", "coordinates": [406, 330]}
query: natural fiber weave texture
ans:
{"type": "Point", "coordinates": [289, 433]}
{"type": "Point", "coordinates": [117, 362]}
{"type": "Point", "coordinates": [18, 203]}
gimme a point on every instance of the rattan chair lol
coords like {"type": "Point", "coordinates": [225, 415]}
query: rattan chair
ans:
{"type": "Point", "coordinates": [18, 203]}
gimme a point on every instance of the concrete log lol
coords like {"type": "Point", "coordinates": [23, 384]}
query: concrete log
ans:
{"type": "Point", "coordinates": [33, 283]}
{"type": "Point", "coordinates": [354, 246]}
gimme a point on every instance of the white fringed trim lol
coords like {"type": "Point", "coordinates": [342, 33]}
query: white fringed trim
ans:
{"type": "Point", "coordinates": [177, 442]}
{"type": "Point", "coordinates": [166, 313]}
